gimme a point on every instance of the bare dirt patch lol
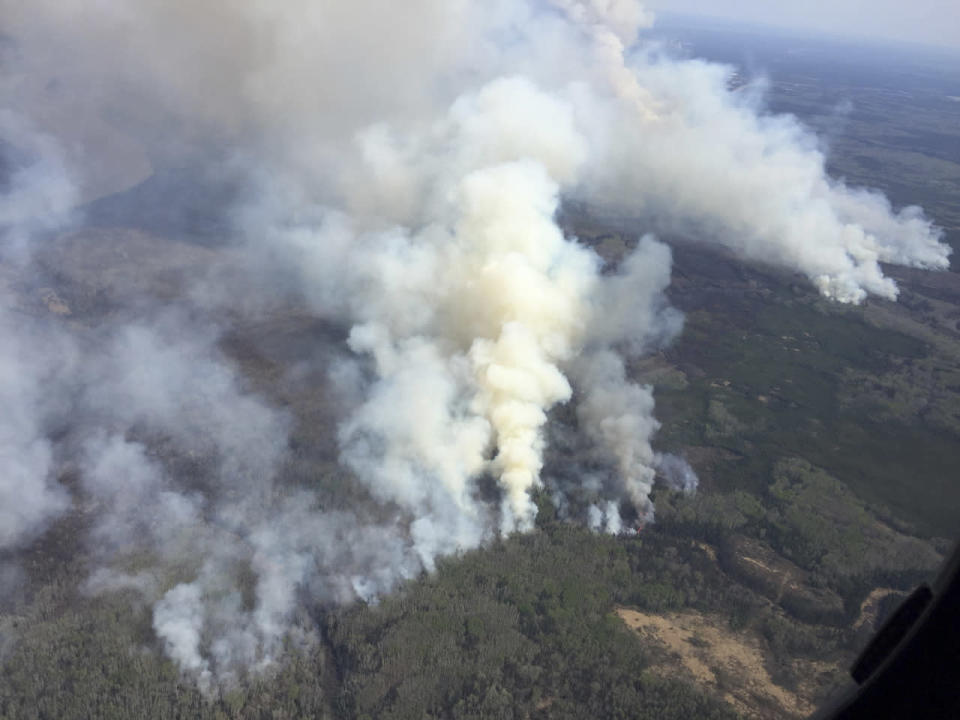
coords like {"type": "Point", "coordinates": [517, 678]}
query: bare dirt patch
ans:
{"type": "Point", "coordinates": [870, 607]}
{"type": "Point", "coordinates": [730, 663]}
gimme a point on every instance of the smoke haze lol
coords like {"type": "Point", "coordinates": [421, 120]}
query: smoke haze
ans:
{"type": "Point", "coordinates": [391, 174]}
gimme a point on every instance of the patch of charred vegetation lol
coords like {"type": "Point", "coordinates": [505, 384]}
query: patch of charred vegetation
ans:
{"type": "Point", "coordinates": [190, 204]}
{"type": "Point", "coordinates": [62, 296]}
{"type": "Point", "coordinates": [54, 560]}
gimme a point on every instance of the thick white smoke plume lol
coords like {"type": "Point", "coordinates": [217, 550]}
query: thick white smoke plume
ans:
{"type": "Point", "coordinates": [395, 172]}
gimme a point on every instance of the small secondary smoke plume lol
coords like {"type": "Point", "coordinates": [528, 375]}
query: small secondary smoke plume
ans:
{"type": "Point", "coordinates": [395, 170]}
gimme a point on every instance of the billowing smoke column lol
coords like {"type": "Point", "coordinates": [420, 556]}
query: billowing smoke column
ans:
{"type": "Point", "coordinates": [399, 169]}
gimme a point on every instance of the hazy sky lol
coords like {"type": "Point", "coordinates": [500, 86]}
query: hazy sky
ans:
{"type": "Point", "coordinates": [924, 21]}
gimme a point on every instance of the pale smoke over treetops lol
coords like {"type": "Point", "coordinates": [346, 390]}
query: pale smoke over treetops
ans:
{"type": "Point", "coordinates": [403, 164]}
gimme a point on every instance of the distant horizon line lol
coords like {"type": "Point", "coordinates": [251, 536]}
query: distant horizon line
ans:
{"type": "Point", "coordinates": [720, 22]}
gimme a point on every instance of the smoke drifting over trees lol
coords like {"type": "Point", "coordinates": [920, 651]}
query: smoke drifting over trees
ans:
{"type": "Point", "coordinates": [397, 169]}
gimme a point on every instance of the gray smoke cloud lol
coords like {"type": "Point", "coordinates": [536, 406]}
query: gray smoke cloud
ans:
{"type": "Point", "coordinates": [37, 196]}
{"type": "Point", "coordinates": [30, 497]}
{"type": "Point", "coordinates": [395, 173]}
